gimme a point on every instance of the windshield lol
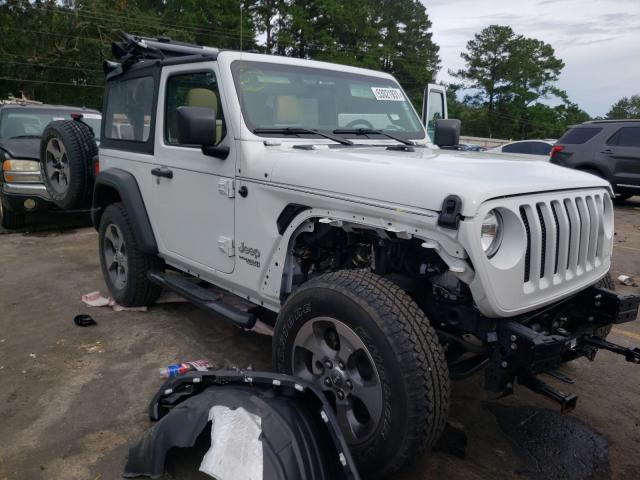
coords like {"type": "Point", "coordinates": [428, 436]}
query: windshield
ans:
{"type": "Point", "coordinates": [277, 96]}
{"type": "Point", "coordinates": [23, 122]}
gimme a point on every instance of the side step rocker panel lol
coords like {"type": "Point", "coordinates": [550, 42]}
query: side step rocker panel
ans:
{"type": "Point", "coordinates": [203, 298]}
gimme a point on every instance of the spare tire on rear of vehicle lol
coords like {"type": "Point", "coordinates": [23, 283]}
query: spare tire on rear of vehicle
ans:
{"type": "Point", "coordinates": [67, 150]}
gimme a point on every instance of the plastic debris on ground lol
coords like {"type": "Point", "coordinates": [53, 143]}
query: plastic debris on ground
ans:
{"type": "Point", "coordinates": [627, 280]}
{"type": "Point", "coordinates": [236, 448]}
{"type": "Point", "coordinates": [84, 320]}
{"type": "Point", "coordinates": [264, 426]}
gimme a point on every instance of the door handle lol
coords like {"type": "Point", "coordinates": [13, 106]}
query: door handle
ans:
{"type": "Point", "coordinates": [162, 172]}
{"type": "Point", "coordinates": [608, 151]}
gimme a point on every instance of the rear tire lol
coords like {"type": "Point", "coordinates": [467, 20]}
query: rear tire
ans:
{"type": "Point", "coordinates": [67, 150]}
{"type": "Point", "coordinates": [10, 219]}
{"type": "Point", "coordinates": [124, 266]}
{"type": "Point", "coordinates": [396, 400]}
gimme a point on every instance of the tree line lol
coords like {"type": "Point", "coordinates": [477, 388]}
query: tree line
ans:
{"type": "Point", "coordinates": [52, 50]}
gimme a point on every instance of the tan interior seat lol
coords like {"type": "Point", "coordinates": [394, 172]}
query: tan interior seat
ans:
{"type": "Point", "coordinates": [205, 98]}
{"type": "Point", "coordinates": [287, 110]}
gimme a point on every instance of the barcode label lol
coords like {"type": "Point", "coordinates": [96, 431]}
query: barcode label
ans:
{"type": "Point", "coordinates": [388, 94]}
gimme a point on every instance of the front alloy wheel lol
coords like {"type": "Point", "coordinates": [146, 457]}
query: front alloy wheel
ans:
{"type": "Point", "coordinates": [329, 353]}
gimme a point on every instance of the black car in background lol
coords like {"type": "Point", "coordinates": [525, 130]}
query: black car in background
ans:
{"type": "Point", "coordinates": [607, 148]}
{"type": "Point", "coordinates": [22, 123]}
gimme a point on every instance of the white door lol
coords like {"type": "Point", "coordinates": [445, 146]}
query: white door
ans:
{"type": "Point", "coordinates": [193, 204]}
{"type": "Point", "coordinates": [434, 106]}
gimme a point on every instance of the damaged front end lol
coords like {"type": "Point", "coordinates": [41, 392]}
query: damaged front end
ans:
{"type": "Point", "coordinates": [519, 350]}
{"type": "Point", "coordinates": [263, 425]}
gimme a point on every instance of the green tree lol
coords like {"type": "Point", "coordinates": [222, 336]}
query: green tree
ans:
{"type": "Point", "coordinates": [509, 73]}
{"type": "Point", "coordinates": [486, 61]}
{"type": "Point", "coordinates": [626, 107]}
{"type": "Point", "coordinates": [389, 35]}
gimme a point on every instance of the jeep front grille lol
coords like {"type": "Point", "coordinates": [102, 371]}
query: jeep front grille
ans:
{"type": "Point", "coordinates": [565, 238]}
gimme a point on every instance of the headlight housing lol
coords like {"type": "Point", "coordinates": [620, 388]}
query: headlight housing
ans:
{"type": "Point", "coordinates": [14, 165]}
{"type": "Point", "coordinates": [21, 171]}
{"type": "Point", "coordinates": [491, 233]}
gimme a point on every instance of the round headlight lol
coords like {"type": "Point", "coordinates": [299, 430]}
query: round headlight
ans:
{"type": "Point", "coordinates": [491, 233]}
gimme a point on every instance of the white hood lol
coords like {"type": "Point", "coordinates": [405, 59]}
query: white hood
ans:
{"type": "Point", "coordinates": [423, 178]}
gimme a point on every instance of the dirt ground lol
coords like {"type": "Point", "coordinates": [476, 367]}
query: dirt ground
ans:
{"type": "Point", "coordinates": [73, 400]}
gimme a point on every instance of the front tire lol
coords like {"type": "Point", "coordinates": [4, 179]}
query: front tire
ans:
{"type": "Point", "coordinates": [370, 348]}
{"type": "Point", "coordinates": [124, 266]}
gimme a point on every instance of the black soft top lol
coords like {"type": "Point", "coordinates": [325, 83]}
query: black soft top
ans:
{"type": "Point", "coordinates": [139, 51]}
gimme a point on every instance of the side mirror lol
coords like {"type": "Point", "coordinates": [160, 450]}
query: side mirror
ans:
{"type": "Point", "coordinates": [447, 133]}
{"type": "Point", "coordinates": [197, 126]}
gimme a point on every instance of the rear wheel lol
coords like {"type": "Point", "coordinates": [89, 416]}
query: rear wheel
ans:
{"type": "Point", "coordinates": [369, 347]}
{"type": "Point", "coordinates": [124, 266]}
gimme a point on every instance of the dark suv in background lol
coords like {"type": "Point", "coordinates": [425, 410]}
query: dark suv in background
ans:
{"type": "Point", "coordinates": [22, 123]}
{"type": "Point", "coordinates": [607, 148]}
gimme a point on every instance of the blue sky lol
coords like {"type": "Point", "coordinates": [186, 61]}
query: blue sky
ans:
{"type": "Point", "coordinates": [599, 41]}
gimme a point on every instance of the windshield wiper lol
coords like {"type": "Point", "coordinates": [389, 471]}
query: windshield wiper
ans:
{"type": "Point", "coordinates": [299, 131]}
{"type": "Point", "coordinates": [367, 131]}
{"type": "Point", "coordinates": [26, 136]}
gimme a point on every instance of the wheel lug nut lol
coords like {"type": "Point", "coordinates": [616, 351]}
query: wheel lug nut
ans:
{"type": "Point", "coordinates": [349, 384]}
{"type": "Point", "coordinates": [341, 365]}
{"type": "Point", "coordinates": [328, 364]}
{"type": "Point", "coordinates": [340, 395]}
{"type": "Point", "coordinates": [327, 382]}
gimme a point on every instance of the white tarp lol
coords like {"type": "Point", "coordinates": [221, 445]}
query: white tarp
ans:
{"type": "Point", "coordinates": [236, 449]}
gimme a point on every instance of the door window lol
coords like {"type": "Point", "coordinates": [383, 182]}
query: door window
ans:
{"type": "Point", "coordinates": [197, 89]}
{"type": "Point", "coordinates": [129, 108]}
{"type": "Point", "coordinates": [435, 111]}
{"type": "Point", "coordinates": [625, 137]}
{"type": "Point", "coordinates": [520, 147]}
{"type": "Point", "coordinates": [579, 135]}
{"type": "Point", "coordinates": [540, 148]}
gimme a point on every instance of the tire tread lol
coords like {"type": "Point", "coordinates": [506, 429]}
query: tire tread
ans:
{"type": "Point", "coordinates": [416, 345]}
{"type": "Point", "coordinates": [140, 290]}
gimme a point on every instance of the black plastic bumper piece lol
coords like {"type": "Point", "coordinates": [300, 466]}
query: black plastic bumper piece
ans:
{"type": "Point", "coordinates": [300, 434]}
{"type": "Point", "coordinates": [203, 298]}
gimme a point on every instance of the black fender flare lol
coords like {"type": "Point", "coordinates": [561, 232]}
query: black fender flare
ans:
{"type": "Point", "coordinates": [117, 185]}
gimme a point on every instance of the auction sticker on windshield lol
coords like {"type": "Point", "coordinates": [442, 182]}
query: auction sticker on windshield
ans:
{"type": "Point", "coordinates": [388, 93]}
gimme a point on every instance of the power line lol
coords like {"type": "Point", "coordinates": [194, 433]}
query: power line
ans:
{"type": "Point", "coordinates": [57, 59]}
{"type": "Point", "coordinates": [75, 37]}
{"type": "Point", "coordinates": [12, 79]}
{"type": "Point", "coordinates": [60, 67]}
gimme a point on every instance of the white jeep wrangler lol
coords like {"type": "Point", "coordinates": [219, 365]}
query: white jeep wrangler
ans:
{"type": "Point", "coordinates": [313, 191]}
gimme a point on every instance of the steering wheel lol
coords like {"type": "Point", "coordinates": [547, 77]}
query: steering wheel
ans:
{"type": "Point", "coordinates": [359, 123]}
